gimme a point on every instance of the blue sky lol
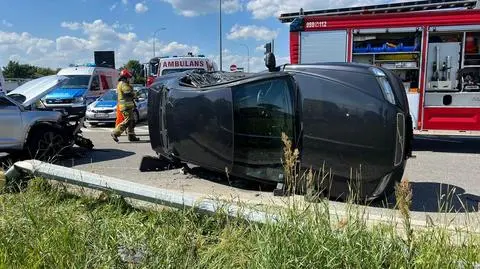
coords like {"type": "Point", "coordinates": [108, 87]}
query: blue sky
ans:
{"type": "Point", "coordinates": [55, 33]}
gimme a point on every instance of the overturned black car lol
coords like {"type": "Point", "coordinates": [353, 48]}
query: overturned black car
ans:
{"type": "Point", "coordinates": [341, 116]}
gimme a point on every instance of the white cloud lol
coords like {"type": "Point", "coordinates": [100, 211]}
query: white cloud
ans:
{"type": "Point", "coordinates": [141, 8]}
{"type": "Point", "coordinates": [260, 48]}
{"type": "Point", "coordinates": [114, 6]}
{"type": "Point", "coordinates": [71, 25]}
{"type": "Point", "coordinates": [126, 27]}
{"type": "Point", "coordinates": [191, 8]}
{"type": "Point", "coordinates": [251, 31]}
{"type": "Point", "coordinates": [78, 48]}
{"type": "Point", "coordinates": [257, 64]}
{"type": "Point", "coordinates": [262, 9]}
{"type": "Point", "coordinates": [7, 23]}
{"type": "Point", "coordinates": [71, 44]}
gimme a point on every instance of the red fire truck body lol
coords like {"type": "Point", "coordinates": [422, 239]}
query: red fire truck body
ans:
{"type": "Point", "coordinates": [434, 46]}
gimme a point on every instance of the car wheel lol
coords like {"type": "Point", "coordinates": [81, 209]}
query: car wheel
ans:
{"type": "Point", "coordinates": [45, 144]}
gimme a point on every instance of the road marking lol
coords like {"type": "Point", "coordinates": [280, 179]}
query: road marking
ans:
{"type": "Point", "coordinates": [140, 129]}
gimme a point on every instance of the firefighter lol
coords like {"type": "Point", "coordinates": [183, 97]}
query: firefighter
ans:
{"type": "Point", "coordinates": [126, 104]}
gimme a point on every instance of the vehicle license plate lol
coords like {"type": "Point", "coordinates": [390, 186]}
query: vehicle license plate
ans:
{"type": "Point", "coordinates": [101, 115]}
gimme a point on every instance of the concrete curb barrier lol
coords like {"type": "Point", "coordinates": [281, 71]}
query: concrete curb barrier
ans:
{"type": "Point", "coordinates": [131, 189]}
{"type": "Point", "coordinates": [183, 200]}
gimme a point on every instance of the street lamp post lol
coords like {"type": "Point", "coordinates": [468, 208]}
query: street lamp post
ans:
{"type": "Point", "coordinates": [220, 29]}
{"type": "Point", "coordinates": [154, 34]}
{"type": "Point", "coordinates": [248, 57]}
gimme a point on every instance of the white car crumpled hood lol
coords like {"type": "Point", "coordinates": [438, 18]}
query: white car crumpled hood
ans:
{"type": "Point", "coordinates": [35, 89]}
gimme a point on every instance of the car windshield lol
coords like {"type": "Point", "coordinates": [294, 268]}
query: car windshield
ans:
{"type": "Point", "coordinates": [77, 81]}
{"type": "Point", "coordinates": [109, 96]}
{"type": "Point", "coordinates": [171, 71]}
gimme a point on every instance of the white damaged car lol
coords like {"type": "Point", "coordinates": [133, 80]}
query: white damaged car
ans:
{"type": "Point", "coordinates": [27, 126]}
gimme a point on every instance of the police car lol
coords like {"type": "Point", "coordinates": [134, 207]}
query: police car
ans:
{"type": "Point", "coordinates": [104, 109]}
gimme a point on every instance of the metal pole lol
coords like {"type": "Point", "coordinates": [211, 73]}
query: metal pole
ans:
{"type": "Point", "coordinates": [220, 27]}
{"type": "Point", "coordinates": [248, 57]}
{"type": "Point", "coordinates": [154, 34]}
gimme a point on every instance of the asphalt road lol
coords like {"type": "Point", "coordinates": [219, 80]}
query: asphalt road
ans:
{"type": "Point", "coordinates": [445, 166]}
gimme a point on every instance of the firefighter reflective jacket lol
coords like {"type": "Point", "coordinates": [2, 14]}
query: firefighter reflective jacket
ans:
{"type": "Point", "coordinates": [126, 96]}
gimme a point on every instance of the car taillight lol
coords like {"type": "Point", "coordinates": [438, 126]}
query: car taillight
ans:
{"type": "Point", "coordinates": [384, 84]}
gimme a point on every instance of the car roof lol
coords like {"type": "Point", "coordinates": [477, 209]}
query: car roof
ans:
{"type": "Point", "coordinates": [77, 70]}
{"type": "Point", "coordinates": [338, 66]}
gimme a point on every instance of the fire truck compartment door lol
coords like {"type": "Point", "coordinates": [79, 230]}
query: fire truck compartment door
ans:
{"type": "Point", "coordinates": [323, 46]}
{"type": "Point", "coordinates": [389, 30]}
{"type": "Point", "coordinates": [454, 28]}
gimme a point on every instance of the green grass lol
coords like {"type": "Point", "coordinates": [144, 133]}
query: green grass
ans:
{"type": "Point", "coordinates": [46, 227]}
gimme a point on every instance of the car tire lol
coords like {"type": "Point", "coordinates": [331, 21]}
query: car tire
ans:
{"type": "Point", "coordinates": [45, 144]}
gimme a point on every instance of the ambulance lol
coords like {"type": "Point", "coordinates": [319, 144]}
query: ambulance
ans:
{"type": "Point", "coordinates": [86, 84]}
{"type": "Point", "coordinates": [160, 66]}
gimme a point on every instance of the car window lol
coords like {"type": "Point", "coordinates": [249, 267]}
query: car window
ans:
{"type": "Point", "coordinates": [109, 96]}
{"type": "Point", "coordinates": [77, 81]}
{"type": "Point", "coordinates": [95, 86]}
{"type": "Point", "coordinates": [106, 82]}
{"type": "Point", "coordinates": [264, 108]}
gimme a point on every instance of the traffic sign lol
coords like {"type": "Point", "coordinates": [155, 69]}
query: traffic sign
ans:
{"type": "Point", "coordinates": [233, 68]}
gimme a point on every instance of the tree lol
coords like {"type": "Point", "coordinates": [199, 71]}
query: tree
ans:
{"type": "Point", "coordinates": [16, 70]}
{"type": "Point", "coordinates": [135, 67]}
{"type": "Point", "coordinates": [42, 71]}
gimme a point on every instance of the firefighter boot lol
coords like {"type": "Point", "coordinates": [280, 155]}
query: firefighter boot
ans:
{"type": "Point", "coordinates": [114, 136]}
{"type": "Point", "coordinates": [133, 138]}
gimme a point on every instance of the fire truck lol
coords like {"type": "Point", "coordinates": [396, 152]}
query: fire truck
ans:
{"type": "Point", "coordinates": [160, 66]}
{"type": "Point", "coordinates": [433, 46]}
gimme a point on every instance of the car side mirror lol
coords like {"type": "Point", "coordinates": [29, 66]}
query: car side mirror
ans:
{"type": "Point", "coordinates": [270, 62]}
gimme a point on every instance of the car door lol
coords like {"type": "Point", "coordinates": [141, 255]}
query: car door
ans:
{"type": "Point", "coordinates": [262, 111]}
{"type": "Point", "coordinates": [11, 127]}
{"type": "Point", "coordinates": [94, 91]}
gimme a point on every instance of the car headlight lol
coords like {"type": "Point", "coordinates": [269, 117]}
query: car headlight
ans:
{"type": "Point", "coordinates": [384, 84]}
{"type": "Point", "coordinates": [78, 100]}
